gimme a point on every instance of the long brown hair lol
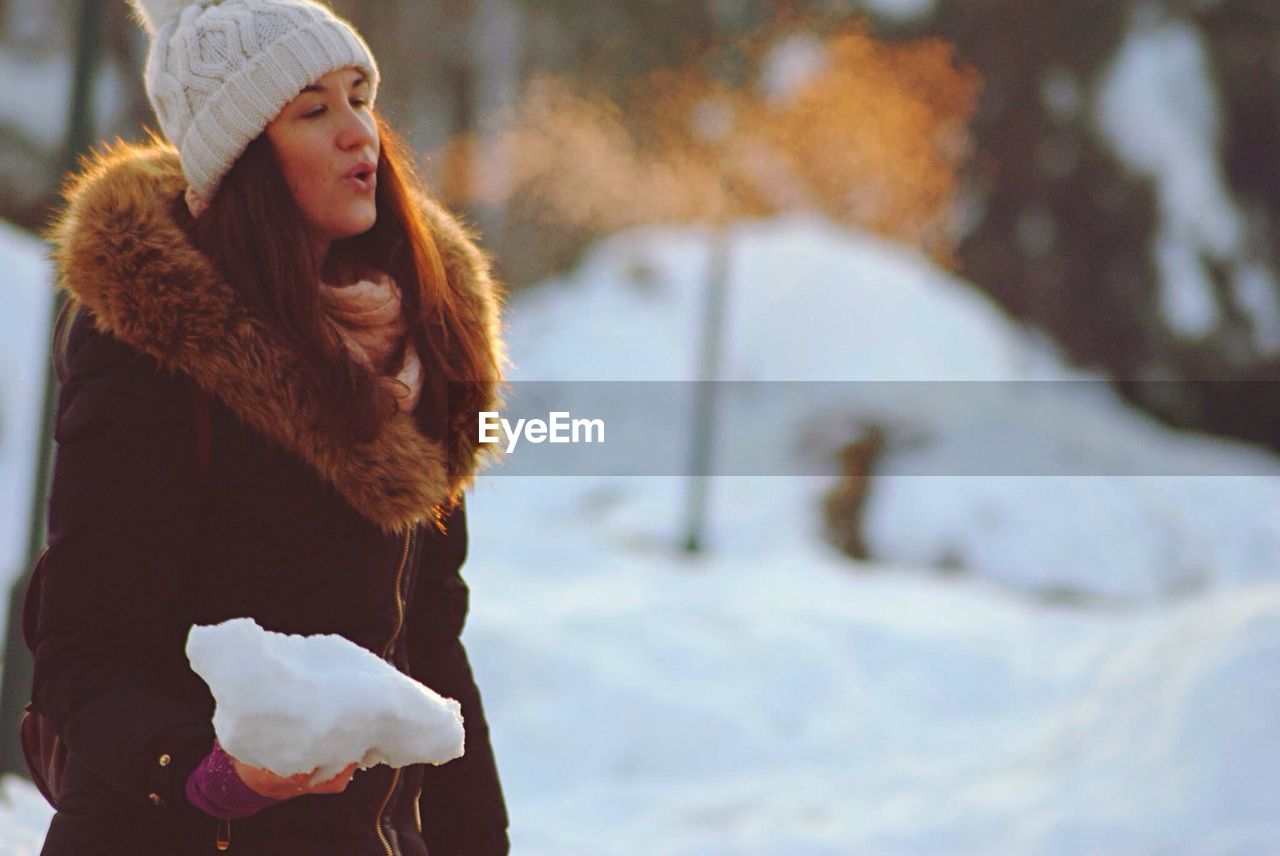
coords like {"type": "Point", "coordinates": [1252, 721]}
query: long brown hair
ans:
{"type": "Point", "coordinates": [255, 233]}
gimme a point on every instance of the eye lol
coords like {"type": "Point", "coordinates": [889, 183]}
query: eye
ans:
{"type": "Point", "coordinates": [358, 102]}
{"type": "Point", "coordinates": [313, 113]}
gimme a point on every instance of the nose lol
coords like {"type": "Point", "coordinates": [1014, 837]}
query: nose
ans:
{"type": "Point", "coordinates": [357, 131]}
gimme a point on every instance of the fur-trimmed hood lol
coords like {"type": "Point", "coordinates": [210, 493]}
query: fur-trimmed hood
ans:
{"type": "Point", "coordinates": [121, 253]}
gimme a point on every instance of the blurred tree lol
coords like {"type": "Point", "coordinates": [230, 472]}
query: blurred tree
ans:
{"type": "Point", "coordinates": [34, 40]}
{"type": "Point", "coordinates": [615, 41]}
{"type": "Point", "coordinates": [1067, 234]}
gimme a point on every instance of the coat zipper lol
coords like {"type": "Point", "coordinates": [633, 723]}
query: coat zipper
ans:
{"type": "Point", "coordinates": [224, 825]}
{"type": "Point", "coordinates": [386, 652]}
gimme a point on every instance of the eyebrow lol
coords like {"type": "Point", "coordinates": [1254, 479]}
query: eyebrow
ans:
{"type": "Point", "coordinates": [316, 87]}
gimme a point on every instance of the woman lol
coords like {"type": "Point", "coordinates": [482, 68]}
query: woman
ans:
{"type": "Point", "coordinates": [276, 260]}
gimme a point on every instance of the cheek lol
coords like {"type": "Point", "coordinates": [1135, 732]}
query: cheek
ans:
{"type": "Point", "coordinates": [320, 198]}
{"type": "Point", "coordinates": [304, 173]}
{"type": "Point", "coordinates": [310, 184]}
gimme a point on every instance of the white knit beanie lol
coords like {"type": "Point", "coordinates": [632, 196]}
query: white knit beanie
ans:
{"type": "Point", "coordinates": [219, 70]}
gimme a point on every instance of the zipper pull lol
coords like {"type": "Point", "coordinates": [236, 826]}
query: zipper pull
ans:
{"type": "Point", "coordinates": [224, 834]}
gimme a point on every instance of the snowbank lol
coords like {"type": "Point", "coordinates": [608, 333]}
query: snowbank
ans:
{"type": "Point", "coordinates": [1001, 459]}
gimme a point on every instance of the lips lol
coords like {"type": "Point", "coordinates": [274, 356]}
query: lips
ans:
{"type": "Point", "coordinates": [364, 176]}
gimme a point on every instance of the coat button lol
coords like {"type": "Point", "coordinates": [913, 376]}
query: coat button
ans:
{"type": "Point", "coordinates": [165, 759]}
{"type": "Point", "coordinates": [155, 799]}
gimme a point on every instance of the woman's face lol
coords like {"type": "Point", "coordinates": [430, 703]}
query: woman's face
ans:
{"type": "Point", "coordinates": [327, 144]}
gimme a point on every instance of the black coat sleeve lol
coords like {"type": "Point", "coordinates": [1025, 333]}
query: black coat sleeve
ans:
{"type": "Point", "coordinates": [122, 512]}
{"type": "Point", "coordinates": [462, 806]}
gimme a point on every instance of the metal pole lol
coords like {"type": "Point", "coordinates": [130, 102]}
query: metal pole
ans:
{"type": "Point", "coordinates": [706, 388]}
{"type": "Point", "coordinates": [16, 689]}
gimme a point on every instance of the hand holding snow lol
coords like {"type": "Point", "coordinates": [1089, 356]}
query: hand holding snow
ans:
{"type": "Point", "coordinates": [292, 703]}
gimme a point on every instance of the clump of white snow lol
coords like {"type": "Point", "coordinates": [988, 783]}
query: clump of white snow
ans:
{"type": "Point", "coordinates": [293, 704]}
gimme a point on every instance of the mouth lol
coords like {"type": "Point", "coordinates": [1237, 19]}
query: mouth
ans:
{"type": "Point", "coordinates": [364, 176]}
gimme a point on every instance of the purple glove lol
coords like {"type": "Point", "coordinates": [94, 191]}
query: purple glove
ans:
{"type": "Point", "coordinates": [216, 789]}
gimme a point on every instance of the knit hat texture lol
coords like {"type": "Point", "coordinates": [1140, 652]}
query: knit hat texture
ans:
{"type": "Point", "coordinates": [220, 70]}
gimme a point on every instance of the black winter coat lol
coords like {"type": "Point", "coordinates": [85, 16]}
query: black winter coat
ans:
{"type": "Point", "coordinates": [295, 529]}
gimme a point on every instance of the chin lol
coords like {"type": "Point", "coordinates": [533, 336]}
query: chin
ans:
{"type": "Point", "coordinates": [349, 227]}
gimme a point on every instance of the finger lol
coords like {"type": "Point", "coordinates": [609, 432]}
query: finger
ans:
{"type": "Point", "coordinates": [330, 787]}
{"type": "Point", "coordinates": [336, 774]}
{"type": "Point", "coordinates": [339, 781]}
{"type": "Point", "coordinates": [342, 778]}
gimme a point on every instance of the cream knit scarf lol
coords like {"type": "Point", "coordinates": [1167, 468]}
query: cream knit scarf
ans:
{"type": "Point", "coordinates": [366, 316]}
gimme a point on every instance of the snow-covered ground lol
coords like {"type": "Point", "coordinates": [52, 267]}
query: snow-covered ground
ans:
{"type": "Point", "coordinates": [776, 701]}
{"type": "Point", "coordinates": [772, 696]}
